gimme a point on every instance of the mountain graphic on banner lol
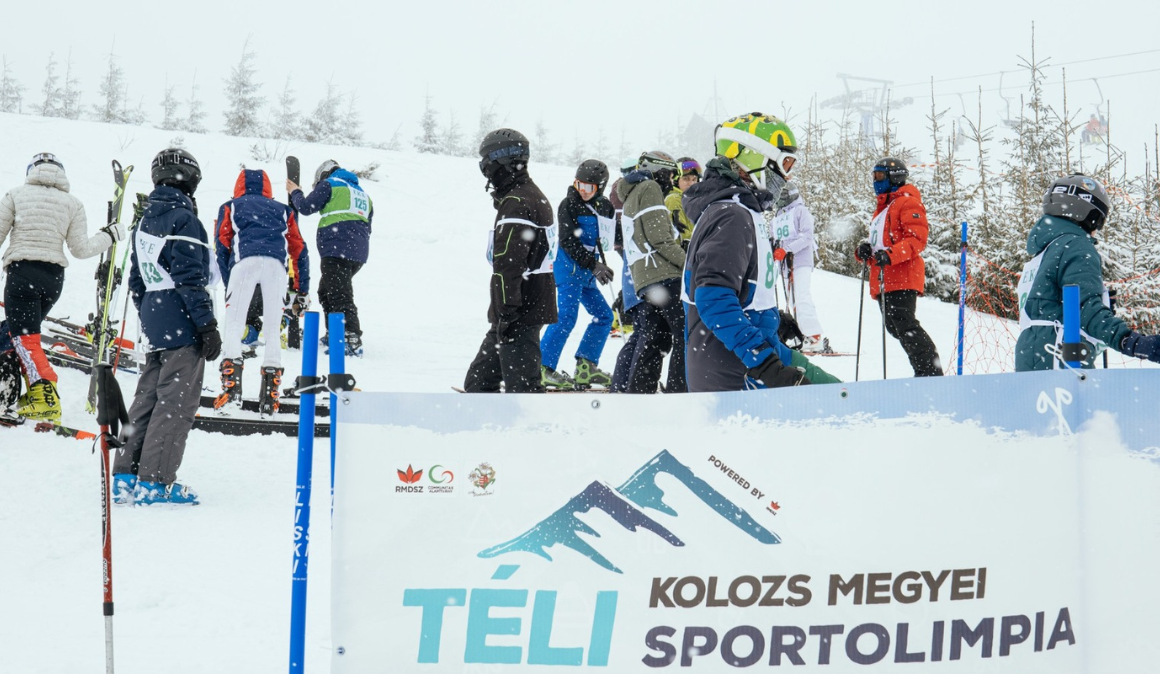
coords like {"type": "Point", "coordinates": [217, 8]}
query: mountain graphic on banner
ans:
{"type": "Point", "coordinates": [563, 527]}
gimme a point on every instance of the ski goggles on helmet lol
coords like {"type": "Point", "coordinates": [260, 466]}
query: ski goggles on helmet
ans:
{"type": "Point", "coordinates": [503, 156]}
{"type": "Point", "coordinates": [44, 158]}
{"type": "Point", "coordinates": [586, 190]}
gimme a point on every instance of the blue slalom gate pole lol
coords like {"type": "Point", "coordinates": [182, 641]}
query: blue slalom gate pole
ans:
{"type": "Point", "coordinates": [306, 385]}
{"type": "Point", "coordinates": [1073, 351]}
{"type": "Point", "coordinates": [336, 323]}
{"type": "Point", "coordinates": [962, 296]}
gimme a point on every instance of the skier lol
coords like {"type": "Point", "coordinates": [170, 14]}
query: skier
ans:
{"type": "Point", "coordinates": [578, 268]}
{"type": "Point", "coordinates": [624, 308]}
{"type": "Point", "coordinates": [42, 218]}
{"type": "Point", "coordinates": [689, 173]}
{"type": "Point", "coordinates": [170, 271]}
{"type": "Point", "coordinates": [898, 235]}
{"type": "Point", "coordinates": [523, 292]}
{"type": "Point", "coordinates": [254, 235]}
{"type": "Point", "coordinates": [655, 259]}
{"type": "Point", "coordinates": [1062, 246]}
{"type": "Point", "coordinates": [795, 247]}
{"type": "Point", "coordinates": [343, 242]}
{"type": "Point", "coordinates": [730, 277]}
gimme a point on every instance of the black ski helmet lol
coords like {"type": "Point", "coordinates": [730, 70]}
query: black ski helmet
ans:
{"type": "Point", "coordinates": [177, 168]}
{"type": "Point", "coordinates": [1080, 199]}
{"type": "Point", "coordinates": [324, 170]}
{"type": "Point", "coordinates": [894, 169]}
{"type": "Point", "coordinates": [503, 147]}
{"type": "Point", "coordinates": [593, 171]}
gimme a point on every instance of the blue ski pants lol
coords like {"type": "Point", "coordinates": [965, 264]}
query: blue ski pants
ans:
{"type": "Point", "coordinates": [569, 297]}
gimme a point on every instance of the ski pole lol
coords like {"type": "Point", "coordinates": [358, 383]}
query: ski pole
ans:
{"type": "Point", "coordinates": [882, 304]}
{"type": "Point", "coordinates": [1112, 306]}
{"type": "Point", "coordinates": [861, 304]}
{"type": "Point", "coordinates": [111, 414]}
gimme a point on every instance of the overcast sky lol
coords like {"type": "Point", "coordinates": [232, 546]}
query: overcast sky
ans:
{"type": "Point", "coordinates": [625, 66]}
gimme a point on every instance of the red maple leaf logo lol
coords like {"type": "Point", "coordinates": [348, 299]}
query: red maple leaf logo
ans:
{"type": "Point", "coordinates": [772, 504]}
{"type": "Point", "coordinates": [411, 476]}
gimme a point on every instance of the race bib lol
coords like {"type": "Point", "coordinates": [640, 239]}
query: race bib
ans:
{"type": "Point", "coordinates": [360, 203]}
{"type": "Point", "coordinates": [149, 262]}
{"type": "Point", "coordinates": [878, 231]}
{"type": "Point", "coordinates": [784, 227]}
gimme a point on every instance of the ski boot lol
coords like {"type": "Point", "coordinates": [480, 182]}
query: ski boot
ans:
{"type": "Point", "coordinates": [816, 344]}
{"type": "Point", "coordinates": [154, 493]}
{"type": "Point", "coordinates": [551, 379]}
{"type": "Point", "coordinates": [40, 403]}
{"type": "Point", "coordinates": [588, 375]}
{"type": "Point", "coordinates": [124, 484]}
{"type": "Point", "coordinates": [354, 345]}
{"type": "Point", "coordinates": [231, 394]}
{"type": "Point", "coordinates": [268, 399]}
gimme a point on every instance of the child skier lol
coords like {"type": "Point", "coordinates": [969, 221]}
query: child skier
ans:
{"type": "Point", "coordinates": [793, 232]}
{"type": "Point", "coordinates": [254, 234]}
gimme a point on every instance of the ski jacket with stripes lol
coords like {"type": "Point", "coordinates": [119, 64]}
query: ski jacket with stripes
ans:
{"type": "Point", "coordinates": [523, 292]}
{"type": "Point", "coordinates": [344, 228]}
{"type": "Point", "coordinates": [254, 224]}
{"type": "Point", "coordinates": [171, 269]}
{"type": "Point", "coordinates": [42, 217]}
{"type": "Point", "coordinates": [653, 238]}
{"type": "Point", "coordinates": [579, 232]}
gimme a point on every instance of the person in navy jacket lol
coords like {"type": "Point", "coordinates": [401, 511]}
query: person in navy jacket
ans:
{"type": "Point", "coordinates": [254, 236]}
{"type": "Point", "coordinates": [344, 235]}
{"type": "Point", "coordinates": [171, 263]}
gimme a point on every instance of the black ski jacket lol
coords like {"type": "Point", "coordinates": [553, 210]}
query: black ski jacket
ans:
{"type": "Point", "coordinates": [520, 247]}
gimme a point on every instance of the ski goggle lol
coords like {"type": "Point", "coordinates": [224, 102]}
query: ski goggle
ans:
{"type": "Point", "coordinates": [879, 175]}
{"type": "Point", "coordinates": [586, 190]}
{"type": "Point", "coordinates": [690, 167]}
{"type": "Point", "coordinates": [44, 158]}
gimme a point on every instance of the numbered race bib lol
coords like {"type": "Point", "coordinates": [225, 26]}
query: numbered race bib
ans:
{"type": "Point", "coordinates": [607, 226]}
{"type": "Point", "coordinates": [784, 227]}
{"type": "Point", "coordinates": [149, 262]}
{"type": "Point", "coordinates": [765, 286]}
{"type": "Point", "coordinates": [360, 203]}
{"type": "Point", "coordinates": [878, 231]}
{"type": "Point", "coordinates": [1026, 281]}
{"type": "Point", "coordinates": [631, 248]}
{"type": "Point", "coordinates": [550, 232]}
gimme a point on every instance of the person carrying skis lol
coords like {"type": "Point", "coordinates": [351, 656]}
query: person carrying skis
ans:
{"type": "Point", "coordinates": [42, 218]}
{"type": "Point", "coordinates": [254, 236]}
{"type": "Point", "coordinates": [523, 290]}
{"type": "Point", "coordinates": [896, 271]}
{"type": "Point", "coordinates": [343, 241]}
{"type": "Point", "coordinates": [578, 268]}
{"type": "Point", "coordinates": [1063, 250]}
{"type": "Point", "coordinates": [171, 263]}
{"type": "Point", "coordinates": [655, 258]}
{"type": "Point", "coordinates": [730, 277]}
{"type": "Point", "coordinates": [795, 247]}
{"type": "Point", "coordinates": [689, 174]}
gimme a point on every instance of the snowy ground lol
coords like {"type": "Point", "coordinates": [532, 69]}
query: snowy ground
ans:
{"type": "Point", "coordinates": [207, 588]}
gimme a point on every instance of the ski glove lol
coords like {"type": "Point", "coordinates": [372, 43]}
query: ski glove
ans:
{"type": "Point", "coordinates": [139, 208]}
{"type": "Point", "coordinates": [1142, 346]}
{"type": "Point", "coordinates": [778, 252]}
{"type": "Point", "coordinates": [774, 374]}
{"type": "Point", "coordinates": [603, 273]}
{"type": "Point", "coordinates": [211, 342]}
{"type": "Point", "coordinates": [882, 258]}
{"type": "Point", "coordinates": [115, 230]}
{"type": "Point", "coordinates": [864, 252]}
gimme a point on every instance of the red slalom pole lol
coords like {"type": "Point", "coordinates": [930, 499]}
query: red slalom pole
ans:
{"type": "Point", "coordinates": [106, 549]}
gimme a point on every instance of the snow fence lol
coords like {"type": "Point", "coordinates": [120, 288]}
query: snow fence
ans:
{"type": "Point", "coordinates": [998, 523]}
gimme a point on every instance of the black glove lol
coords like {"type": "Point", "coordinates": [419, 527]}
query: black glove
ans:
{"type": "Point", "coordinates": [789, 332]}
{"type": "Point", "coordinates": [1141, 346]}
{"type": "Point", "coordinates": [882, 258]}
{"type": "Point", "coordinates": [115, 230]}
{"type": "Point", "coordinates": [774, 374]}
{"type": "Point", "coordinates": [864, 252]}
{"type": "Point", "coordinates": [501, 329]}
{"type": "Point", "coordinates": [139, 208]}
{"type": "Point", "coordinates": [603, 273]}
{"type": "Point", "coordinates": [211, 342]}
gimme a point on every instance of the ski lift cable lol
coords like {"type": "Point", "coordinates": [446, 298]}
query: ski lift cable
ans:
{"type": "Point", "coordinates": [1048, 65]}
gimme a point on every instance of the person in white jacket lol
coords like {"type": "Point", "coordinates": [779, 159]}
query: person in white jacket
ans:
{"type": "Point", "coordinates": [793, 230]}
{"type": "Point", "coordinates": [42, 217]}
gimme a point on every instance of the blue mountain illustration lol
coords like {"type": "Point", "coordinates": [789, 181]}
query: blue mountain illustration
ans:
{"type": "Point", "coordinates": [563, 527]}
{"type": "Point", "coordinates": [642, 490]}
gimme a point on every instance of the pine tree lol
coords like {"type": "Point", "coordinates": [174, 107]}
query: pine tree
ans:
{"type": "Point", "coordinates": [427, 142]}
{"type": "Point", "coordinates": [395, 144]}
{"type": "Point", "coordinates": [543, 149]}
{"type": "Point", "coordinates": [112, 90]}
{"type": "Point", "coordinates": [245, 103]}
{"type": "Point", "coordinates": [52, 104]}
{"type": "Point", "coordinates": [351, 122]}
{"type": "Point", "coordinates": [578, 153]}
{"type": "Point", "coordinates": [286, 124]}
{"type": "Point", "coordinates": [451, 138]}
{"type": "Point", "coordinates": [195, 122]}
{"type": "Point", "coordinates": [600, 148]}
{"type": "Point", "coordinates": [323, 125]}
{"type": "Point", "coordinates": [169, 120]}
{"type": "Point", "coordinates": [70, 98]}
{"type": "Point", "coordinates": [11, 91]}
{"type": "Point", "coordinates": [135, 116]}
{"type": "Point", "coordinates": [947, 205]}
{"type": "Point", "coordinates": [487, 124]}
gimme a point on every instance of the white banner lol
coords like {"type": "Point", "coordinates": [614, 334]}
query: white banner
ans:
{"type": "Point", "coordinates": [817, 527]}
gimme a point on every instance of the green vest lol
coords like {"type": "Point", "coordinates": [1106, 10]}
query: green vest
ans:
{"type": "Point", "coordinates": [347, 203]}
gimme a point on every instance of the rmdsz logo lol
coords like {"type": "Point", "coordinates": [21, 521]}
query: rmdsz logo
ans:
{"type": "Point", "coordinates": [409, 478]}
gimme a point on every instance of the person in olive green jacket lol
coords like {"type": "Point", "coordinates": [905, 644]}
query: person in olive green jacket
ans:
{"type": "Point", "coordinates": [689, 172]}
{"type": "Point", "coordinates": [1064, 253]}
{"type": "Point", "coordinates": [657, 261]}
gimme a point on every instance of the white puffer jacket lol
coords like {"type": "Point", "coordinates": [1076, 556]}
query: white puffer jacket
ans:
{"type": "Point", "coordinates": [42, 216]}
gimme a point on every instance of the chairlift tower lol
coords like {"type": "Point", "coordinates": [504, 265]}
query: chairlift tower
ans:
{"type": "Point", "coordinates": [870, 103]}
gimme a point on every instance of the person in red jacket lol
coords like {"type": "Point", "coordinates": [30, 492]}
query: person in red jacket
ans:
{"type": "Point", "coordinates": [898, 234]}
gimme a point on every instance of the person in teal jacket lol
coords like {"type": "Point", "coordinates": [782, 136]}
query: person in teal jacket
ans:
{"type": "Point", "coordinates": [1063, 249]}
